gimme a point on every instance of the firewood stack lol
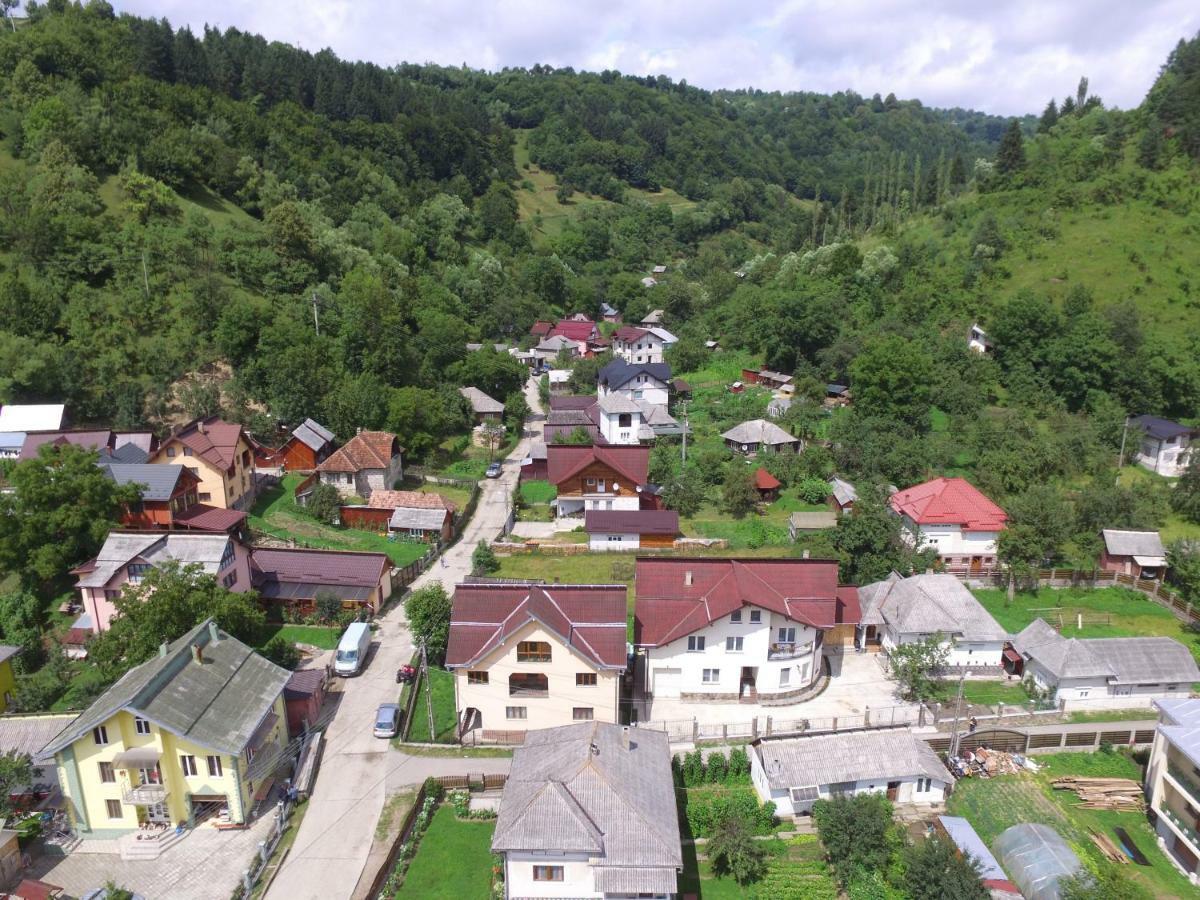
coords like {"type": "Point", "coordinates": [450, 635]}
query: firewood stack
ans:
{"type": "Point", "coordinates": [1121, 794]}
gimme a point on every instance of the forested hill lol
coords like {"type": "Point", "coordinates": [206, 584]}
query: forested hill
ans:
{"type": "Point", "coordinates": [323, 238]}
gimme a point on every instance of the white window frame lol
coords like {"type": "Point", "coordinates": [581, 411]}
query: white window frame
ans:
{"type": "Point", "coordinates": [786, 635]}
{"type": "Point", "coordinates": [735, 617]}
{"type": "Point", "coordinates": [187, 763]}
{"type": "Point", "coordinates": [140, 725]}
{"type": "Point", "coordinates": [695, 643]}
{"type": "Point", "coordinates": [733, 644]}
{"type": "Point", "coordinates": [100, 735]}
{"type": "Point", "coordinates": [710, 676]}
{"type": "Point", "coordinates": [214, 766]}
{"type": "Point", "coordinates": [755, 616]}
{"type": "Point", "coordinates": [785, 677]}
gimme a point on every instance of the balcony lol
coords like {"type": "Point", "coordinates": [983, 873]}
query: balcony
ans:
{"type": "Point", "coordinates": [789, 650]}
{"type": "Point", "coordinates": [528, 692]}
{"type": "Point", "coordinates": [528, 685]}
{"type": "Point", "coordinates": [1178, 823]}
{"type": "Point", "coordinates": [145, 795]}
{"type": "Point", "coordinates": [1186, 781]}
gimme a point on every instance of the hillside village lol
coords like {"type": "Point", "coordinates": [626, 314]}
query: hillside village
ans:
{"type": "Point", "coordinates": [374, 525]}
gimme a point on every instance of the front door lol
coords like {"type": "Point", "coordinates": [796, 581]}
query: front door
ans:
{"type": "Point", "coordinates": [157, 812]}
{"type": "Point", "coordinates": [893, 790]}
{"type": "Point", "coordinates": [976, 564]}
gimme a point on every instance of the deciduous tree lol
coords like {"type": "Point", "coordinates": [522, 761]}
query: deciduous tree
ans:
{"type": "Point", "coordinates": [428, 611]}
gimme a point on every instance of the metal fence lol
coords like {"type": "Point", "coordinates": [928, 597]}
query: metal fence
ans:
{"type": "Point", "coordinates": [262, 858]}
{"type": "Point", "coordinates": [693, 731]}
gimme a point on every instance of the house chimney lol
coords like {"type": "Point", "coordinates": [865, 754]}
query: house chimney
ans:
{"type": "Point", "coordinates": [687, 577]}
{"type": "Point", "coordinates": [197, 653]}
{"type": "Point", "coordinates": [213, 634]}
{"type": "Point", "coordinates": [625, 736]}
{"type": "Point", "coordinates": [200, 426]}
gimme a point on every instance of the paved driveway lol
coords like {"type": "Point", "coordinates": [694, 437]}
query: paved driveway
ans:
{"type": "Point", "coordinates": [358, 770]}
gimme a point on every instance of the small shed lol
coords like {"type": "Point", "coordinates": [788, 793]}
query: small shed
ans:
{"type": "Point", "coordinates": [767, 485]}
{"type": "Point", "coordinates": [842, 496]}
{"type": "Point", "coordinates": [303, 694]}
{"type": "Point", "coordinates": [1037, 858]}
{"type": "Point", "coordinates": [1137, 553]}
{"type": "Point", "coordinates": [483, 407]}
{"type": "Point", "coordinates": [810, 521]}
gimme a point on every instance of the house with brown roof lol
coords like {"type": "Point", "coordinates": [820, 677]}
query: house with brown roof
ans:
{"type": "Point", "coordinates": [294, 577]}
{"type": "Point", "coordinates": [416, 515]}
{"type": "Point", "coordinates": [169, 499]}
{"type": "Point", "coordinates": [631, 529]}
{"type": "Point", "coordinates": [767, 485]}
{"type": "Point", "coordinates": [219, 454]}
{"type": "Point", "coordinates": [528, 656]}
{"type": "Point", "coordinates": [309, 445]}
{"type": "Point", "coordinates": [594, 477]}
{"type": "Point", "coordinates": [733, 629]}
{"type": "Point", "coordinates": [369, 461]}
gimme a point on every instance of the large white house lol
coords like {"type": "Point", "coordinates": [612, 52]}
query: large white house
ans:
{"type": "Point", "coordinates": [723, 629]}
{"type": "Point", "coordinates": [954, 518]}
{"type": "Point", "coordinates": [650, 382]}
{"type": "Point", "coordinates": [641, 345]}
{"type": "Point", "coordinates": [1103, 673]}
{"type": "Point", "coordinates": [1166, 446]}
{"type": "Point", "coordinates": [589, 811]}
{"type": "Point", "coordinates": [794, 772]}
{"type": "Point", "coordinates": [899, 611]}
{"type": "Point", "coordinates": [1173, 782]}
{"type": "Point", "coordinates": [622, 420]}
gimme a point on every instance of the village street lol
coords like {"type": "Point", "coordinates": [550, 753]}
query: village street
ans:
{"type": "Point", "coordinates": [358, 771]}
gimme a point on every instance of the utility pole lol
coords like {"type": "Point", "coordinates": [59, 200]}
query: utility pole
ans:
{"type": "Point", "coordinates": [145, 275]}
{"type": "Point", "coordinates": [428, 691]}
{"type": "Point", "coordinates": [1121, 455]}
{"type": "Point", "coordinates": [685, 430]}
{"type": "Point", "coordinates": [957, 708]}
{"type": "Point", "coordinates": [316, 321]}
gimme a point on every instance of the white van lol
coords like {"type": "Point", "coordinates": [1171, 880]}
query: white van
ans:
{"type": "Point", "coordinates": [352, 649]}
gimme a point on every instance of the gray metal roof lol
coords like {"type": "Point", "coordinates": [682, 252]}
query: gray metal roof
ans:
{"type": "Point", "coordinates": [128, 453]}
{"type": "Point", "coordinates": [156, 482]}
{"type": "Point", "coordinates": [812, 521]}
{"type": "Point", "coordinates": [969, 842]}
{"type": "Point", "coordinates": [843, 491]}
{"type": "Point", "coordinates": [218, 703]}
{"type": "Point", "coordinates": [313, 435]}
{"type": "Point", "coordinates": [928, 604]}
{"type": "Point", "coordinates": [7, 652]}
{"type": "Point", "coordinates": [120, 548]}
{"type": "Point", "coordinates": [1061, 657]}
{"type": "Point", "coordinates": [821, 759]}
{"type": "Point", "coordinates": [29, 734]}
{"type": "Point", "coordinates": [1180, 723]}
{"type": "Point", "coordinates": [1133, 543]}
{"type": "Point", "coordinates": [426, 519]}
{"type": "Point", "coordinates": [480, 402]}
{"type": "Point", "coordinates": [578, 788]}
{"type": "Point", "coordinates": [758, 431]}
{"type": "Point", "coordinates": [1124, 660]}
{"type": "Point", "coordinates": [615, 404]}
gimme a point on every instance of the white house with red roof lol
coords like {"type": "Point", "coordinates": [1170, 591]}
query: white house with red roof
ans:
{"type": "Point", "coordinates": [738, 629]}
{"type": "Point", "coordinates": [641, 345]}
{"type": "Point", "coordinates": [527, 656]}
{"type": "Point", "coordinates": [596, 477]}
{"type": "Point", "coordinates": [954, 518]}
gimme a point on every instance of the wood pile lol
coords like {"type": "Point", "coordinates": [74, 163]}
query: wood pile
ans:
{"type": "Point", "coordinates": [1111, 851]}
{"type": "Point", "coordinates": [1122, 794]}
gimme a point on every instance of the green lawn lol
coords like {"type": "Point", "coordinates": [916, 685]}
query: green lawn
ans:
{"type": "Point", "coordinates": [989, 693]}
{"type": "Point", "coordinates": [444, 714]}
{"type": "Point", "coordinates": [318, 635]}
{"type": "Point", "coordinates": [276, 514]}
{"type": "Point", "coordinates": [1132, 614]}
{"type": "Point", "coordinates": [994, 804]}
{"type": "Point", "coordinates": [538, 491]}
{"type": "Point", "coordinates": [796, 870]}
{"type": "Point", "coordinates": [1111, 715]}
{"type": "Point", "coordinates": [454, 860]}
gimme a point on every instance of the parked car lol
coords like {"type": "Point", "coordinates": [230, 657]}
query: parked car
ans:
{"type": "Point", "coordinates": [493, 470]}
{"type": "Point", "coordinates": [387, 720]}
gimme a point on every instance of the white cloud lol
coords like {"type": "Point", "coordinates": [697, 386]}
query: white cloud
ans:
{"type": "Point", "coordinates": [1007, 56]}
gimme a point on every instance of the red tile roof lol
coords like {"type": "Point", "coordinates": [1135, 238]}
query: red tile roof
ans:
{"type": "Point", "coordinates": [541, 329]}
{"type": "Point", "coordinates": [631, 521]}
{"type": "Point", "coordinates": [304, 683]}
{"type": "Point", "coordinates": [949, 501]}
{"type": "Point", "coordinates": [572, 401]}
{"type": "Point", "coordinates": [212, 439]}
{"type": "Point", "coordinates": [366, 450]}
{"type": "Point", "coordinates": [341, 567]}
{"type": "Point", "coordinates": [588, 618]}
{"type": "Point", "coordinates": [575, 331]}
{"type": "Point", "coordinates": [804, 590]}
{"type": "Point", "coordinates": [92, 440]}
{"type": "Point", "coordinates": [202, 517]}
{"type": "Point", "coordinates": [408, 500]}
{"type": "Point", "coordinates": [765, 481]}
{"type": "Point", "coordinates": [565, 460]}
{"type": "Point", "coordinates": [629, 333]}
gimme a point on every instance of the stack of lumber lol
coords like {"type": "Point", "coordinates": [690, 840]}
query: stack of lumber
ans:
{"type": "Point", "coordinates": [1104, 793]}
{"type": "Point", "coordinates": [1108, 848]}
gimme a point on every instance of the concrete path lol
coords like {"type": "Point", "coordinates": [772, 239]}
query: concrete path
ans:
{"type": "Point", "coordinates": [358, 770]}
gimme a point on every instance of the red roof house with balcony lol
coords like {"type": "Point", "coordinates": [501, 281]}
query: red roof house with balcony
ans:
{"type": "Point", "coordinates": [955, 518]}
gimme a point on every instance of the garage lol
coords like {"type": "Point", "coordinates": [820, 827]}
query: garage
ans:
{"type": "Point", "coordinates": [666, 683]}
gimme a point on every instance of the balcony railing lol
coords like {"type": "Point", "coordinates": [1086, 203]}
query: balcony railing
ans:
{"type": "Point", "coordinates": [528, 692]}
{"type": "Point", "coordinates": [1177, 821]}
{"type": "Point", "coordinates": [532, 657]}
{"type": "Point", "coordinates": [789, 650]}
{"type": "Point", "coordinates": [145, 794]}
{"type": "Point", "coordinates": [1185, 781]}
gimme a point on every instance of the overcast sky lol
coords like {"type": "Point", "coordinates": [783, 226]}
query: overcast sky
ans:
{"type": "Point", "coordinates": [1004, 56]}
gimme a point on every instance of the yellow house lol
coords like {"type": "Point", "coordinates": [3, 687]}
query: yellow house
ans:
{"type": "Point", "coordinates": [535, 656]}
{"type": "Point", "coordinates": [193, 735]}
{"type": "Point", "coordinates": [217, 453]}
{"type": "Point", "coordinates": [8, 681]}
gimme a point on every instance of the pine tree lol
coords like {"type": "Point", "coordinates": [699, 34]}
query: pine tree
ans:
{"type": "Point", "coordinates": [1150, 147]}
{"type": "Point", "coordinates": [916, 189]}
{"type": "Point", "coordinates": [958, 172]}
{"type": "Point", "coordinates": [1010, 157]}
{"type": "Point", "coordinates": [1049, 117]}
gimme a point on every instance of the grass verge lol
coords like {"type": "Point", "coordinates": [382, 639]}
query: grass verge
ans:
{"type": "Point", "coordinates": [441, 685]}
{"type": "Point", "coordinates": [453, 861]}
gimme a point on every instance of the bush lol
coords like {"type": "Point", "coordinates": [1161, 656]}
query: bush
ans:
{"type": "Point", "coordinates": [813, 490]}
{"type": "Point", "coordinates": [329, 606]}
{"type": "Point", "coordinates": [733, 851]}
{"type": "Point", "coordinates": [282, 652]}
{"type": "Point", "coordinates": [707, 810]}
{"type": "Point", "coordinates": [716, 769]}
{"type": "Point", "coordinates": [483, 559]}
{"type": "Point", "coordinates": [739, 764]}
{"type": "Point", "coordinates": [693, 769]}
{"type": "Point", "coordinates": [324, 503]}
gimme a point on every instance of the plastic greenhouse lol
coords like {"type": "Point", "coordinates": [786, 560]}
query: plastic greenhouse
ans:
{"type": "Point", "coordinates": [1036, 859]}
